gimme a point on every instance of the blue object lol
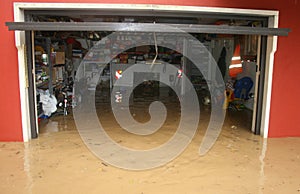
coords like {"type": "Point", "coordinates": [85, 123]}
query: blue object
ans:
{"type": "Point", "coordinates": [242, 88]}
{"type": "Point", "coordinates": [44, 117]}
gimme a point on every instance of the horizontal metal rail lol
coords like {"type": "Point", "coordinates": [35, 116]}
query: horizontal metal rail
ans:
{"type": "Point", "coordinates": [145, 27]}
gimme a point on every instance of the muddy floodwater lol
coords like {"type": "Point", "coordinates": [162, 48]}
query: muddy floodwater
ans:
{"type": "Point", "coordinates": [239, 162]}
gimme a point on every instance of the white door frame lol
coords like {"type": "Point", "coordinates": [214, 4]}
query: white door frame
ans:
{"type": "Point", "coordinates": [20, 45]}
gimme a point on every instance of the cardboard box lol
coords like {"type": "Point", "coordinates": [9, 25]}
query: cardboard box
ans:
{"type": "Point", "coordinates": [60, 58]}
{"type": "Point", "coordinates": [143, 49]}
{"type": "Point", "coordinates": [57, 73]}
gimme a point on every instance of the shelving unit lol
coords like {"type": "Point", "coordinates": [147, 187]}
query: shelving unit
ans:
{"type": "Point", "coordinates": [49, 66]}
{"type": "Point", "coordinates": [200, 78]}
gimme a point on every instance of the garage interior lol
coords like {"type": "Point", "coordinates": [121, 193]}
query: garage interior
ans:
{"type": "Point", "coordinates": [69, 49]}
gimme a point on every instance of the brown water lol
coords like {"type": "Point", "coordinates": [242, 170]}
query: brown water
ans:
{"type": "Point", "coordinates": [240, 162]}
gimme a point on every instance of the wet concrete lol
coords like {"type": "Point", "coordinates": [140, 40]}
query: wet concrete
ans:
{"type": "Point", "coordinates": [240, 162]}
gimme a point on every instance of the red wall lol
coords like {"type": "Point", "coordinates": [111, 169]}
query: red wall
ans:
{"type": "Point", "coordinates": [285, 96]}
{"type": "Point", "coordinates": [10, 115]}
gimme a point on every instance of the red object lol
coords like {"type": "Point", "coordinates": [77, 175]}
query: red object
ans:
{"type": "Point", "coordinates": [236, 67]}
{"type": "Point", "coordinates": [70, 40]}
{"type": "Point", "coordinates": [118, 74]}
{"type": "Point", "coordinates": [179, 73]}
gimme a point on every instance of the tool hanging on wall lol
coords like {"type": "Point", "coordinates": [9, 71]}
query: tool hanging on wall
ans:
{"type": "Point", "coordinates": [222, 61]}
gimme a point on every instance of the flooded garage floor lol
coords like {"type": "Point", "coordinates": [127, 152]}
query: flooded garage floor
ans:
{"type": "Point", "coordinates": [239, 162]}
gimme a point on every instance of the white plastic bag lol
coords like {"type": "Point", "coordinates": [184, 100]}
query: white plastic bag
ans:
{"type": "Point", "coordinates": [49, 102]}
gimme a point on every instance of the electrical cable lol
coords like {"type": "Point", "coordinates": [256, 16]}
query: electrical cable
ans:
{"type": "Point", "coordinates": [156, 50]}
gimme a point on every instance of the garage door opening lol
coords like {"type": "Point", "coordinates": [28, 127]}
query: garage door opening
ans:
{"type": "Point", "coordinates": [253, 50]}
{"type": "Point", "coordinates": [69, 49]}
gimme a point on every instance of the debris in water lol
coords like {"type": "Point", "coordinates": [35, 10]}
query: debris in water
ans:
{"type": "Point", "coordinates": [104, 164]}
{"type": "Point", "coordinates": [233, 127]}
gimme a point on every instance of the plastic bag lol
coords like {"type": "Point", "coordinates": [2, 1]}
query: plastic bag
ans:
{"type": "Point", "coordinates": [49, 102]}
